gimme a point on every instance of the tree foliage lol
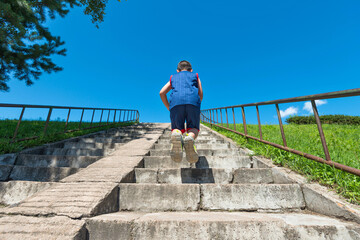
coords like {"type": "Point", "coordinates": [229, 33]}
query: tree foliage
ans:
{"type": "Point", "coordinates": [26, 45]}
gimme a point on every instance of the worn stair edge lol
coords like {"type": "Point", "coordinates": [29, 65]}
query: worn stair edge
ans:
{"type": "Point", "coordinates": [35, 228]}
{"type": "Point", "coordinates": [218, 225]}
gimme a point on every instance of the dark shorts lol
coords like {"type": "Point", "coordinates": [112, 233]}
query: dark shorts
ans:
{"type": "Point", "coordinates": [181, 113]}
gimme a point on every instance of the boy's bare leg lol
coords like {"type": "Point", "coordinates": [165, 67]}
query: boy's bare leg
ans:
{"type": "Point", "coordinates": [193, 133]}
{"type": "Point", "coordinates": [190, 149]}
{"type": "Point", "coordinates": [176, 152]}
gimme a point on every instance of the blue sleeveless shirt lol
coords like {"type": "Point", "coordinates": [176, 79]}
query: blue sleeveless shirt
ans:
{"type": "Point", "coordinates": [185, 89]}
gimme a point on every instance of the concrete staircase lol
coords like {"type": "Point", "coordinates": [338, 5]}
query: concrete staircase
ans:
{"type": "Point", "coordinates": [37, 168]}
{"type": "Point", "coordinates": [225, 195]}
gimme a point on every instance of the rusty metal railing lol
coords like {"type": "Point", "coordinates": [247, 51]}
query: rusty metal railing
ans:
{"type": "Point", "coordinates": [120, 115]}
{"type": "Point", "coordinates": [211, 116]}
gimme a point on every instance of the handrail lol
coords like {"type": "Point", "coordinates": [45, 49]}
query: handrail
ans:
{"type": "Point", "coordinates": [129, 115]}
{"type": "Point", "coordinates": [208, 116]}
{"type": "Point", "coordinates": [330, 95]}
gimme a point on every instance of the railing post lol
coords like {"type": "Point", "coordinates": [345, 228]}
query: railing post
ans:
{"type": "Point", "coordinates": [234, 119]}
{"type": "Point", "coordinates": [281, 125]}
{"type": "Point", "coordinates": [114, 116]}
{"type": "Point", "coordinates": [81, 118]}
{"type": "Point", "coordinates": [107, 122]}
{"type": "Point", "coordinates": [18, 124]}
{"type": "Point", "coordinates": [227, 119]}
{"type": "Point", "coordinates": [244, 120]}
{"type": "Point", "coordinates": [47, 120]}
{"type": "Point", "coordinates": [102, 111]}
{"type": "Point", "coordinates": [259, 122]}
{"type": "Point", "coordinates": [127, 118]}
{"type": "Point", "coordinates": [221, 118]}
{"type": "Point", "coordinates": [217, 117]}
{"type": "Point", "coordinates": [210, 118]}
{"type": "Point", "coordinates": [321, 132]}
{"type": "Point", "coordinates": [92, 118]}
{"type": "Point", "coordinates": [124, 115]}
{"type": "Point", "coordinates": [67, 119]}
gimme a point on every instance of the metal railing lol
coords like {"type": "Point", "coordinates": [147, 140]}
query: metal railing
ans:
{"type": "Point", "coordinates": [211, 116]}
{"type": "Point", "coordinates": [120, 115]}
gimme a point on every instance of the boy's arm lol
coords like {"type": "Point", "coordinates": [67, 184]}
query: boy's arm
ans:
{"type": "Point", "coordinates": [200, 90]}
{"type": "Point", "coordinates": [166, 88]}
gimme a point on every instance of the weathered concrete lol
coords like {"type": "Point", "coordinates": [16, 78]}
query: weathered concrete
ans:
{"type": "Point", "coordinates": [112, 226]}
{"type": "Point", "coordinates": [216, 140]}
{"type": "Point", "coordinates": [31, 160]}
{"type": "Point", "coordinates": [218, 225]}
{"type": "Point", "coordinates": [8, 159]}
{"type": "Point", "coordinates": [43, 174]}
{"type": "Point", "coordinates": [195, 175]}
{"type": "Point", "coordinates": [112, 169]}
{"type": "Point", "coordinates": [319, 199]}
{"type": "Point", "coordinates": [231, 162]}
{"type": "Point", "coordinates": [38, 228]}
{"type": "Point", "coordinates": [214, 146]}
{"type": "Point", "coordinates": [146, 175]}
{"type": "Point", "coordinates": [5, 171]}
{"type": "Point", "coordinates": [13, 192]}
{"type": "Point", "coordinates": [83, 145]}
{"type": "Point", "coordinates": [253, 175]}
{"type": "Point", "coordinates": [159, 197]}
{"type": "Point", "coordinates": [74, 200]}
{"type": "Point", "coordinates": [75, 152]}
{"type": "Point", "coordinates": [251, 197]}
{"type": "Point", "coordinates": [201, 152]}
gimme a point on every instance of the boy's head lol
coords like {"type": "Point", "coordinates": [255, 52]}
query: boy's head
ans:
{"type": "Point", "coordinates": [184, 66]}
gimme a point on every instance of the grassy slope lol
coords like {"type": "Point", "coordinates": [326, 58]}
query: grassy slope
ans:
{"type": "Point", "coordinates": [343, 142]}
{"type": "Point", "coordinates": [35, 128]}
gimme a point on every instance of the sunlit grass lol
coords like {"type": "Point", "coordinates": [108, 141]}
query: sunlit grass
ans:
{"type": "Point", "coordinates": [343, 142]}
{"type": "Point", "coordinates": [55, 132]}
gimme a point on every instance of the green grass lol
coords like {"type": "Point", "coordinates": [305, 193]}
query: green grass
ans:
{"type": "Point", "coordinates": [343, 142]}
{"type": "Point", "coordinates": [55, 132]}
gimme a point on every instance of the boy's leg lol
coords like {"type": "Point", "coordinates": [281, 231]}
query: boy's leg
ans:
{"type": "Point", "coordinates": [193, 126]}
{"type": "Point", "coordinates": [177, 117]}
{"type": "Point", "coordinates": [193, 132]}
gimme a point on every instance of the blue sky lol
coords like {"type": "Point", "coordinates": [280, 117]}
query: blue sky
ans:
{"type": "Point", "coordinates": [244, 51]}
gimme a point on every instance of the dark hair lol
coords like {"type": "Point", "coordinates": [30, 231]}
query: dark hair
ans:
{"type": "Point", "coordinates": [184, 65]}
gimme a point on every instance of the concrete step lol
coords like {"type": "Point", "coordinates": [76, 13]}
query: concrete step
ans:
{"type": "Point", "coordinates": [201, 152]}
{"type": "Point", "coordinates": [105, 140]}
{"type": "Point", "coordinates": [204, 175]}
{"type": "Point", "coordinates": [75, 152]}
{"type": "Point", "coordinates": [119, 135]}
{"type": "Point", "coordinates": [82, 145]}
{"type": "Point", "coordinates": [204, 162]}
{"type": "Point", "coordinates": [166, 141]}
{"type": "Point", "coordinates": [201, 137]}
{"type": "Point", "coordinates": [219, 225]}
{"type": "Point", "coordinates": [183, 175]}
{"type": "Point", "coordinates": [12, 192]}
{"type": "Point", "coordinates": [166, 146]}
{"type": "Point", "coordinates": [230, 197]}
{"type": "Point", "coordinates": [42, 174]}
{"type": "Point", "coordinates": [32, 160]}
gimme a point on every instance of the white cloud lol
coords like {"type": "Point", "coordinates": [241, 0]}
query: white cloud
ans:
{"type": "Point", "coordinates": [308, 106]}
{"type": "Point", "coordinates": [289, 111]}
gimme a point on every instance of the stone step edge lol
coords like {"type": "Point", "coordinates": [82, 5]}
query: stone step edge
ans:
{"type": "Point", "coordinates": [153, 174]}
{"type": "Point", "coordinates": [212, 225]}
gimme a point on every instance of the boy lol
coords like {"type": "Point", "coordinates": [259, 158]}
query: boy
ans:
{"type": "Point", "coordinates": [185, 101]}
